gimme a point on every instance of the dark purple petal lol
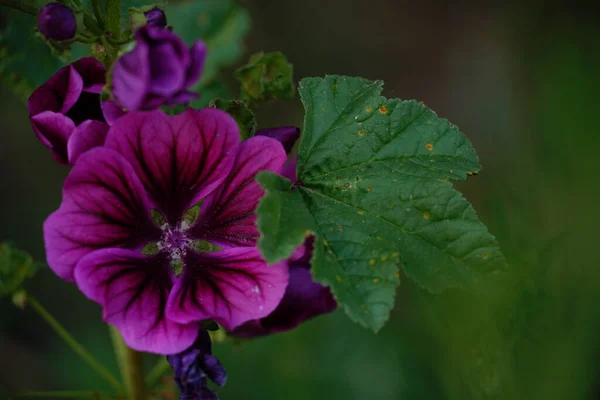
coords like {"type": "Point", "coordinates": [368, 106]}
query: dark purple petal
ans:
{"type": "Point", "coordinates": [287, 135]}
{"type": "Point", "coordinates": [230, 286]}
{"type": "Point", "coordinates": [182, 98]}
{"type": "Point", "coordinates": [289, 169]}
{"type": "Point", "coordinates": [131, 77]}
{"type": "Point", "coordinates": [193, 366]}
{"type": "Point", "coordinates": [54, 130]}
{"type": "Point", "coordinates": [93, 74]}
{"type": "Point", "coordinates": [180, 159]}
{"type": "Point", "coordinates": [167, 70]}
{"type": "Point", "coordinates": [228, 215]}
{"type": "Point", "coordinates": [197, 58]}
{"type": "Point", "coordinates": [159, 70]}
{"type": "Point", "coordinates": [156, 17]}
{"type": "Point", "coordinates": [88, 135]}
{"type": "Point", "coordinates": [133, 289]}
{"type": "Point", "coordinates": [112, 111]}
{"type": "Point", "coordinates": [104, 205]}
{"type": "Point", "coordinates": [304, 299]}
{"type": "Point", "coordinates": [57, 22]}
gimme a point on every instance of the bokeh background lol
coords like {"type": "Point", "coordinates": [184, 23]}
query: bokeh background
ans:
{"type": "Point", "coordinates": [522, 82]}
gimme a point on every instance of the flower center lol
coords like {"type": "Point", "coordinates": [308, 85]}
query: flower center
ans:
{"type": "Point", "coordinates": [175, 242]}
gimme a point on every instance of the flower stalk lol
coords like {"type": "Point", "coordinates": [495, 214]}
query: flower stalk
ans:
{"type": "Point", "coordinates": [74, 344]}
{"type": "Point", "coordinates": [130, 365]}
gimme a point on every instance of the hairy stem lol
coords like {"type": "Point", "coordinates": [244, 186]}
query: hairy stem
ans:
{"type": "Point", "coordinates": [130, 364]}
{"type": "Point", "coordinates": [74, 344]}
{"type": "Point", "coordinates": [17, 5]}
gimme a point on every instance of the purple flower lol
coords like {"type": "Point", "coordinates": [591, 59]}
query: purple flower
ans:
{"type": "Point", "coordinates": [287, 135]}
{"type": "Point", "coordinates": [193, 366]}
{"type": "Point", "coordinates": [304, 298]}
{"type": "Point", "coordinates": [156, 17]}
{"type": "Point", "coordinates": [57, 22]}
{"type": "Point", "coordinates": [65, 111]}
{"type": "Point", "coordinates": [139, 214]}
{"type": "Point", "coordinates": [158, 71]}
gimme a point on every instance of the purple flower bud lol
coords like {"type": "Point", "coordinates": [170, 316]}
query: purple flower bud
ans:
{"type": "Point", "coordinates": [57, 22]}
{"type": "Point", "coordinates": [193, 366]}
{"type": "Point", "coordinates": [65, 111]}
{"type": "Point", "coordinates": [156, 17]}
{"type": "Point", "coordinates": [158, 71]}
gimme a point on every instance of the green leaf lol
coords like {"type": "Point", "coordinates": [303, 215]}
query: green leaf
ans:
{"type": "Point", "coordinates": [267, 77]}
{"type": "Point", "coordinates": [373, 174]}
{"type": "Point", "coordinates": [15, 267]}
{"type": "Point", "coordinates": [202, 246]}
{"type": "Point", "coordinates": [283, 218]}
{"type": "Point", "coordinates": [221, 24]}
{"type": "Point", "coordinates": [241, 113]}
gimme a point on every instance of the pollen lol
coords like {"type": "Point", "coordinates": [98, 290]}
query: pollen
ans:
{"type": "Point", "coordinates": [485, 256]}
{"type": "Point", "coordinates": [376, 281]}
{"type": "Point", "coordinates": [429, 146]}
{"type": "Point", "coordinates": [369, 108]}
{"type": "Point", "coordinates": [384, 258]}
{"type": "Point", "coordinates": [383, 109]}
{"type": "Point", "coordinates": [361, 133]}
{"type": "Point", "coordinates": [369, 188]}
{"type": "Point", "coordinates": [426, 215]}
{"type": "Point", "coordinates": [372, 262]}
{"type": "Point", "coordinates": [338, 278]}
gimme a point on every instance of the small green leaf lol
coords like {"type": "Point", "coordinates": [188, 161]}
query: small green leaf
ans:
{"type": "Point", "coordinates": [177, 266]}
{"type": "Point", "coordinates": [191, 215]}
{"type": "Point", "coordinates": [267, 77]}
{"type": "Point", "coordinates": [151, 248]}
{"type": "Point", "coordinates": [240, 112]}
{"type": "Point", "coordinates": [374, 175]}
{"type": "Point", "coordinates": [15, 267]}
{"type": "Point", "coordinates": [158, 219]}
{"type": "Point", "coordinates": [202, 246]}
{"type": "Point", "coordinates": [283, 218]}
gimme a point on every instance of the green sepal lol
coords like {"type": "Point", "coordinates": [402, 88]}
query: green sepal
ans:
{"type": "Point", "coordinates": [267, 76]}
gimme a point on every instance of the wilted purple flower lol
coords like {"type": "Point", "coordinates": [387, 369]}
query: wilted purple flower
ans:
{"type": "Point", "coordinates": [65, 111]}
{"type": "Point", "coordinates": [57, 22]}
{"type": "Point", "coordinates": [156, 17]}
{"type": "Point", "coordinates": [158, 71]}
{"type": "Point", "coordinates": [138, 218]}
{"type": "Point", "coordinates": [193, 366]}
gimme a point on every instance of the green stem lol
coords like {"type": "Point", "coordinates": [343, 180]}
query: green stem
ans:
{"type": "Point", "coordinates": [71, 395]}
{"type": "Point", "coordinates": [157, 372]}
{"type": "Point", "coordinates": [74, 344]}
{"type": "Point", "coordinates": [130, 364]}
{"type": "Point", "coordinates": [17, 5]}
{"type": "Point", "coordinates": [112, 15]}
{"type": "Point", "coordinates": [98, 13]}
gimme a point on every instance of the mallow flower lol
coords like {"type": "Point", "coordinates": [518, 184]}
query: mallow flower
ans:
{"type": "Point", "coordinates": [159, 70]}
{"type": "Point", "coordinates": [194, 366]}
{"type": "Point", "coordinates": [143, 218]}
{"type": "Point", "coordinates": [56, 21]}
{"type": "Point", "coordinates": [304, 299]}
{"type": "Point", "coordinates": [65, 111]}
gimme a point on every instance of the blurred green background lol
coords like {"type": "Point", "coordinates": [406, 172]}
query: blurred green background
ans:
{"type": "Point", "coordinates": [522, 82]}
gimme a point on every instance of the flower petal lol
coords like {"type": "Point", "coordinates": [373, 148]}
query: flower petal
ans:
{"type": "Point", "coordinates": [112, 111]}
{"type": "Point", "coordinates": [230, 286]}
{"type": "Point", "coordinates": [228, 215]}
{"type": "Point", "coordinates": [86, 136]}
{"type": "Point", "coordinates": [197, 58]}
{"type": "Point", "coordinates": [287, 135]}
{"type": "Point", "coordinates": [167, 73]}
{"type": "Point", "coordinates": [104, 205]}
{"type": "Point", "coordinates": [131, 77]}
{"type": "Point", "coordinates": [54, 130]}
{"type": "Point", "coordinates": [133, 290]}
{"type": "Point", "coordinates": [179, 160]}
